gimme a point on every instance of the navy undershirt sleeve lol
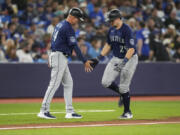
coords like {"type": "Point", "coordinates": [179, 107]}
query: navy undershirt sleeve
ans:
{"type": "Point", "coordinates": [79, 54]}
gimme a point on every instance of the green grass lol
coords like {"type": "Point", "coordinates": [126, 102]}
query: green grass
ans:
{"type": "Point", "coordinates": [141, 110]}
{"type": "Point", "coordinates": [167, 129]}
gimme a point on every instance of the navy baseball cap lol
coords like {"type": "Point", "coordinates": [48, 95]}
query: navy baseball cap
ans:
{"type": "Point", "coordinates": [78, 13]}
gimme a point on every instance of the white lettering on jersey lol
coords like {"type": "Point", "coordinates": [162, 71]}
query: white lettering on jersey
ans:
{"type": "Point", "coordinates": [132, 41]}
{"type": "Point", "coordinates": [117, 39]}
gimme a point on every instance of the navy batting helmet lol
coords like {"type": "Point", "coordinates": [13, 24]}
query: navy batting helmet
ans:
{"type": "Point", "coordinates": [113, 14]}
{"type": "Point", "coordinates": [76, 12]}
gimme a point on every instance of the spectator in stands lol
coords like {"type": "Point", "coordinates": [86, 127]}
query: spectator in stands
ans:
{"type": "Point", "coordinates": [9, 42]}
{"type": "Point", "coordinates": [28, 15]}
{"type": "Point", "coordinates": [23, 54]}
{"type": "Point", "coordinates": [168, 9]}
{"type": "Point", "coordinates": [84, 51]}
{"type": "Point", "coordinates": [40, 16]}
{"type": "Point", "coordinates": [132, 23]}
{"type": "Point", "coordinates": [176, 56]}
{"type": "Point", "coordinates": [43, 58]}
{"type": "Point", "coordinates": [2, 38]}
{"type": "Point", "coordinates": [101, 33]}
{"type": "Point", "coordinates": [9, 8]}
{"type": "Point", "coordinates": [37, 33]}
{"type": "Point", "coordinates": [90, 32]}
{"type": "Point", "coordinates": [160, 12]}
{"type": "Point", "coordinates": [168, 43]}
{"type": "Point", "coordinates": [54, 22]}
{"type": "Point", "coordinates": [2, 56]}
{"type": "Point", "coordinates": [47, 44]}
{"type": "Point", "coordinates": [127, 9]}
{"type": "Point", "coordinates": [158, 51]}
{"type": "Point", "coordinates": [170, 33]}
{"type": "Point", "coordinates": [90, 5]}
{"type": "Point", "coordinates": [157, 20]}
{"type": "Point", "coordinates": [138, 15]}
{"type": "Point", "coordinates": [32, 20]}
{"type": "Point", "coordinates": [97, 16]}
{"type": "Point", "coordinates": [172, 20]}
{"type": "Point", "coordinates": [177, 42]}
{"type": "Point", "coordinates": [83, 7]}
{"type": "Point", "coordinates": [15, 20]}
{"type": "Point", "coordinates": [96, 49]}
{"type": "Point", "coordinates": [147, 4]}
{"type": "Point", "coordinates": [10, 32]}
{"type": "Point", "coordinates": [142, 36]}
{"type": "Point", "coordinates": [178, 10]}
{"type": "Point", "coordinates": [11, 54]}
{"type": "Point", "coordinates": [151, 24]}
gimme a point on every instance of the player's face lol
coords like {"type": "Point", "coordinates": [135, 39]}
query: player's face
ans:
{"type": "Point", "coordinates": [115, 23]}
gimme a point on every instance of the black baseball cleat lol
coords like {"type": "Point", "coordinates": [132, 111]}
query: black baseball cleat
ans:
{"type": "Point", "coordinates": [126, 115]}
{"type": "Point", "coordinates": [46, 115]}
{"type": "Point", "coordinates": [73, 116]}
{"type": "Point", "coordinates": [120, 102]}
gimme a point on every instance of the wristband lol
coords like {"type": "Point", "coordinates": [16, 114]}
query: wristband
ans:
{"type": "Point", "coordinates": [125, 60]}
{"type": "Point", "coordinates": [100, 57]}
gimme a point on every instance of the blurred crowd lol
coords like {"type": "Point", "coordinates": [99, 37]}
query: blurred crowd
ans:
{"type": "Point", "coordinates": [26, 27]}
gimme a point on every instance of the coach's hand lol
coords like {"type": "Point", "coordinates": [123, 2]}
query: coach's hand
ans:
{"type": "Point", "coordinates": [87, 66]}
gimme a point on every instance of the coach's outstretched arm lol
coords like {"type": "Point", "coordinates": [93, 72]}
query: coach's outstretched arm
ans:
{"type": "Point", "coordinates": [87, 63]}
{"type": "Point", "coordinates": [106, 49]}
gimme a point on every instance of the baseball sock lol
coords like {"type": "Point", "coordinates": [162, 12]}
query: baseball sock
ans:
{"type": "Point", "coordinates": [114, 87]}
{"type": "Point", "coordinates": [126, 101]}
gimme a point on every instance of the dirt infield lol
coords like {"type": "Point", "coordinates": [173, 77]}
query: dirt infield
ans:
{"type": "Point", "coordinates": [93, 99]}
{"type": "Point", "coordinates": [173, 120]}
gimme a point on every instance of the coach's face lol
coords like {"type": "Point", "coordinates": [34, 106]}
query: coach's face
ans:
{"type": "Point", "coordinates": [75, 20]}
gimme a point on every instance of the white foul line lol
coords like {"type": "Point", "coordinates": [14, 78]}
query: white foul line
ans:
{"type": "Point", "coordinates": [6, 114]}
{"type": "Point", "coordinates": [91, 125]}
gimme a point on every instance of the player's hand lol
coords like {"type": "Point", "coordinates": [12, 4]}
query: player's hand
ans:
{"type": "Point", "coordinates": [94, 63]}
{"type": "Point", "coordinates": [87, 66]}
{"type": "Point", "coordinates": [118, 67]}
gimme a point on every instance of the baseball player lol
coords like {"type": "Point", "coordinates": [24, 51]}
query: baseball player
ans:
{"type": "Point", "coordinates": [62, 43]}
{"type": "Point", "coordinates": [121, 41]}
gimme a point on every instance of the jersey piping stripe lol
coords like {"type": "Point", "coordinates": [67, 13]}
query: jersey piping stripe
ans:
{"type": "Point", "coordinates": [51, 61]}
{"type": "Point", "coordinates": [54, 82]}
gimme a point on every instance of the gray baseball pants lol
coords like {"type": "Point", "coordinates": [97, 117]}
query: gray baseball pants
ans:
{"type": "Point", "coordinates": [125, 75]}
{"type": "Point", "coordinates": [59, 73]}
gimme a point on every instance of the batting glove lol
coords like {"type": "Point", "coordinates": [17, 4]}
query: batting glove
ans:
{"type": "Point", "coordinates": [96, 60]}
{"type": "Point", "coordinates": [120, 66]}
